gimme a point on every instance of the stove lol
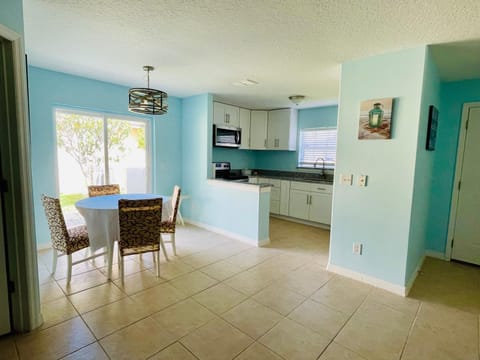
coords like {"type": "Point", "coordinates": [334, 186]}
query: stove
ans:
{"type": "Point", "coordinates": [222, 170]}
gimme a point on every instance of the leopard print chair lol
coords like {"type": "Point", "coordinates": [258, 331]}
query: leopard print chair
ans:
{"type": "Point", "coordinates": [98, 190]}
{"type": "Point", "coordinates": [168, 227]}
{"type": "Point", "coordinates": [64, 240]}
{"type": "Point", "coordinates": [139, 222]}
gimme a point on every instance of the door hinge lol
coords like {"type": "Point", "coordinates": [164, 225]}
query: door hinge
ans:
{"type": "Point", "coordinates": [11, 286]}
{"type": "Point", "coordinates": [453, 240]}
{"type": "Point", "coordinates": [3, 186]}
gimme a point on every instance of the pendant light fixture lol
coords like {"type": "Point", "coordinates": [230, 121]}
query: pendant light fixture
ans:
{"type": "Point", "coordinates": [146, 100]}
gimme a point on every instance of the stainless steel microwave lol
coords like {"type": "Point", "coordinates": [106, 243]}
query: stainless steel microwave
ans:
{"type": "Point", "coordinates": [227, 136]}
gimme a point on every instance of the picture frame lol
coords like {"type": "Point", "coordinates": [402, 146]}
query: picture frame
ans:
{"type": "Point", "coordinates": [375, 121]}
{"type": "Point", "coordinates": [432, 128]}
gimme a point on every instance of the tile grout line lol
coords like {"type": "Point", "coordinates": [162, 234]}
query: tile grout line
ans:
{"type": "Point", "coordinates": [343, 326]}
{"type": "Point", "coordinates": [410, 330]}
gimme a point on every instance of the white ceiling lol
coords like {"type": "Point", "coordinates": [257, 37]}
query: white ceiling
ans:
{"type": "Point", "coordinates": [289, 47]}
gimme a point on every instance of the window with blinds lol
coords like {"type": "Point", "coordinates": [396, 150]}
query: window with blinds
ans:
{"type": "Point", "coordinates": [317, 148]}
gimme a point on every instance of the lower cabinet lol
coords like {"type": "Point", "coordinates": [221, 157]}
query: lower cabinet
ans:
{"type": "Point", "coordinates": [309, 201]}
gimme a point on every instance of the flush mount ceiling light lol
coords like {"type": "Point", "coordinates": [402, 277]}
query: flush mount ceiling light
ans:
{"type": "Point", "coordinates": [296, 99]}
{"type": "Point", "coordinates": [245, 82]}
{"type": "Point", "coordinates": [147, 101]}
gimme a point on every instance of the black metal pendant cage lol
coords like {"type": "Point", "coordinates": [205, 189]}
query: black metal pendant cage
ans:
{"type": "Point", "coordinates": [147, 101]}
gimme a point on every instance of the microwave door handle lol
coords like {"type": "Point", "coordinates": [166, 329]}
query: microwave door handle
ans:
{"type": "Point", "coordinates": [237, 137]}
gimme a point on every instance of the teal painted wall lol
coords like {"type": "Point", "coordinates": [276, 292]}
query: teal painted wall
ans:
{"type": "Point", "coordinates": [307, 118]}
{"type": "Point", "coordinates": [232, 210]}
{"type": "Point", "coordinates": [422, 201]}
{"type": "Point", "coordinates": [453, 95]}
{"type": "Point", "coordinates": [377, 215]}
{"type": "Point", "coordinates": [48, 89]}
{"type": "Point", "coordinates": [11, 15]}
{"type": "Point", "coordinates": [239, 159]}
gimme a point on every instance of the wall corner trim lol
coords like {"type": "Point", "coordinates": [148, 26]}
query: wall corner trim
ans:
{"type": "Point", "coordinates": [382, 284]}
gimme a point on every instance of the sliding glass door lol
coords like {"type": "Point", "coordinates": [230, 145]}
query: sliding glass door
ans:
{"type": "Point", "coordinates": [97, 149]}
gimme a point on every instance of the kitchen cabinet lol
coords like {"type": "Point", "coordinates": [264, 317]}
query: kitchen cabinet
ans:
{"type": "Point", "coordinates": [282, 129]}
{"type": "Point", "coordinates": [284, 196]}
{"type": "Point", "coordinates": [245, 126]}
{"type": "Point", "coordinates": [258, 129]}
{"type": "Point", "coordinates": [224, 114]}
{"type": "Point", "coordinates": [311, 201]}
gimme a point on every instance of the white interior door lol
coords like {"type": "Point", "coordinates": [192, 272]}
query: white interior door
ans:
{"type": "Point", "coordinates": [466, 239]}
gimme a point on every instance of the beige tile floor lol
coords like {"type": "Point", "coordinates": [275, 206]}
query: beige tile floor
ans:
{"type": "Point", "coordinates": [222, 299]}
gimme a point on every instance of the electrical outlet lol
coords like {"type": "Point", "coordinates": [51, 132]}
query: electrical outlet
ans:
{"type": "Point", "coordinates": [357, 248]}
{"type": "Point", "coordinates": [347, 179]}
{"type": "Point", "coordinates": [362, 180]}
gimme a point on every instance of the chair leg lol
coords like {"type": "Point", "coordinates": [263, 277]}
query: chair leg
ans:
{"type": "Point", "coordinates": [172, 239]}
{"type": "Point", "coordinates": [69, 270]}
{"type": "Point", "coordinates": [163, 248]}
{"type": "Point", "coordinates": [120, 261]}
{"type": "Point", "coordinates": [156, 255]}
{"type": "Point", "coordinates": [54, 263]}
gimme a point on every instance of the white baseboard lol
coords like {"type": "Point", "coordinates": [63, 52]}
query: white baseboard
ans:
{"type": "Point", "coordinates": [300, 221]}
{"type": "Point", "coordinates": [44, 246]}
{"type": "Point", "coordinates": [235, 236]}
{"type": "Point", "coordinates": [382, 284]}
{"type": "Point", "coordinates": [414, 275]}
{"type": "Point", "coordinates": [435, 254]}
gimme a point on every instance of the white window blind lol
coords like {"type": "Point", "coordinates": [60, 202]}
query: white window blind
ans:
{"type": "Point", "coordinates": [317, 148]}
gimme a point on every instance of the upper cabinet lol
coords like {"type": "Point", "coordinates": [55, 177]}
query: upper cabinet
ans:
{"type": "Point", "coordinates": [224, 114]}
{"type": "Point", "coordinates": [258, 130]}
{"type": "Point", "coordinates": [245, 126]}
{"type": "Point", "coordinates": [282, 129]}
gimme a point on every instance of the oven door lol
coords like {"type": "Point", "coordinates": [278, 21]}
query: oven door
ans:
{"type": "Point", "coordinates": [227, 136]}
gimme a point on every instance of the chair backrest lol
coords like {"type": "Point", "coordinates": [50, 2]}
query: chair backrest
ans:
{"type": "Point", "coordinates": [56, 223]}
{"type": "Point", "coordinates": [175, 203]}
{"type": "Point", "coordinates": [139, 225]}
{"type": "Point", "coordinates": [98, 190]}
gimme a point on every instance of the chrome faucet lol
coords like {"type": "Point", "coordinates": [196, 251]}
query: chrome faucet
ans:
{"type": "Point", "coordinates": [323, 166]}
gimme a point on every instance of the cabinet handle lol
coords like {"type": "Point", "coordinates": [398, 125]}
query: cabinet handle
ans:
{"type": "Point", "coordinates": [265, 143]}
{"type": "Point", "coordinates": [321, 189]}
{"type": "Point", "coordinates": [227, 118]}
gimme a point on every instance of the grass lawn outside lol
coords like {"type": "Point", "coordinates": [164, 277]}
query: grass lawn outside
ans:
{"type": "Point", "coordinates": [68, 201]}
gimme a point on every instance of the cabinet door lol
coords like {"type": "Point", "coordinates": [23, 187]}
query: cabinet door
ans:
{"type": "Point", "coordinates": [258, 130]}
{"type": "Point", "coordinates": [298, 206]}
{"type": "Point", "coordinates": [218, 113]}
{"type": "Point", "coordinates": [274, 206]}
{"type": "Point", "coordinates": [245, 126]}
{"type": "Point", "coordinates": [232, 116]}
{"type": "Point", "coordinates": [274, 126]}
{"type": "Point", "coordinates": [320, 208]}
{"type": "Point", "coordinates": [282, 129]}
{"type": "Point", "coordinates": [284, 196]}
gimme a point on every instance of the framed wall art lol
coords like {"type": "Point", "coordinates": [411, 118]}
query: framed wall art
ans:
{"type": "Point", "coordinates": [432, 128]}
{"type": "Point", "coordinates": [376, 119]}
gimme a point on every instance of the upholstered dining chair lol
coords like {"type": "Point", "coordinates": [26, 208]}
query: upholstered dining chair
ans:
{"type": "Point", "coordinates": [139, 222]}
{"type": "Point", "coordinates": [168, 226]}
{"type": "Point", "coordinates": [98, 190]}
{"type": "Point", "coordinates": [64, 240]}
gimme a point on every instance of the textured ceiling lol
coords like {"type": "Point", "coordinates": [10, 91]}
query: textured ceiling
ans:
{"type": "Point", "coordinates": [289, 47]}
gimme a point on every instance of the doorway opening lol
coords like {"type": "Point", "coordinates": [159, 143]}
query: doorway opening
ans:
{"type": "Point", "coordinates": [463, 241]}
{"type": "Point", "coordinates": [98, 149]}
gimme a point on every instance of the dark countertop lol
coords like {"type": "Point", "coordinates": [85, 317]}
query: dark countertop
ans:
{"type": "Point", "coordinates": [313, 177]}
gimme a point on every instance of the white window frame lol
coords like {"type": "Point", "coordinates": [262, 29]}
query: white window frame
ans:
{"type": "Point", "coordinates": [105, 116]}
{"type": "Point", "coordinates": [320, 161]}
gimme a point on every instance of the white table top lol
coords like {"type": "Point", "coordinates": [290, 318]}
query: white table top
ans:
{"type": "Point", "coordinates": [101, 216]}
{"type": "Point", "coordinates": [110, 202]}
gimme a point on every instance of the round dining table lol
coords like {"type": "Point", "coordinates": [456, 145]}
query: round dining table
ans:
{"type": "Point", "coordinates": [101, 218]}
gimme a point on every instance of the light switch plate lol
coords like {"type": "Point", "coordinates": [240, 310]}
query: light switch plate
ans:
{"type": "Point", "coordinates": [347, 179]}
{"type": "Point", "coordinates": [362, 180]}
{"type": "Point", "coordinates": [357, 248]}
